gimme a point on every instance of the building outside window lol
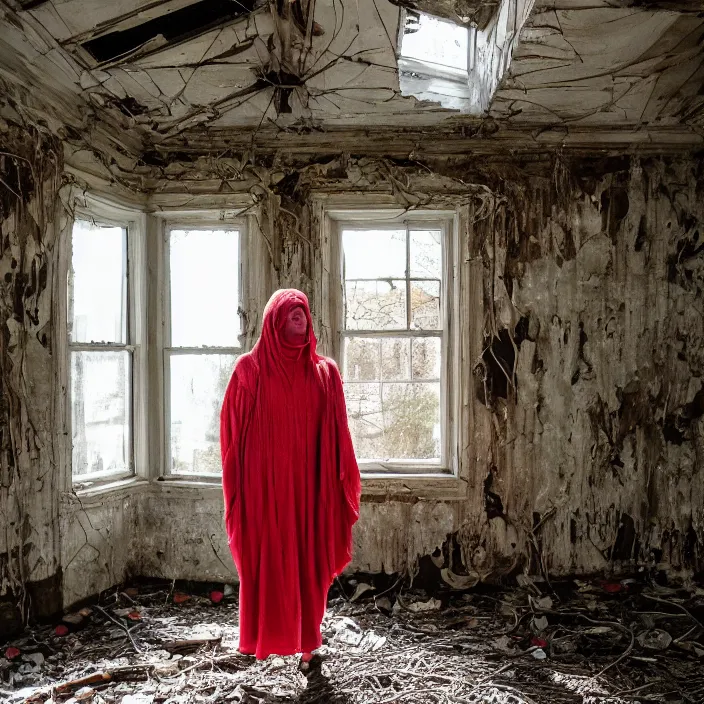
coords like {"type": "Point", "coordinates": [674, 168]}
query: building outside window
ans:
{"type": "Point", "coordinates": [435, 61]}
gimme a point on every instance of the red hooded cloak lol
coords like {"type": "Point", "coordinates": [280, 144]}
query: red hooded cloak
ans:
{"type": "Point", "coordinates": [291, 484]}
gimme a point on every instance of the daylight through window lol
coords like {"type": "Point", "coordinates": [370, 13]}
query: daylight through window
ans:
{"type": "Point", "coordinates": [435, 42]}
{"type": "Point", "coordinates": [394, 343]}
{"type": "Point", "coordinates": [203, 342]}
{"type": "Point", "coordinates": [101, 355]}
{"type": "Point", "coordinates": [436, 61]}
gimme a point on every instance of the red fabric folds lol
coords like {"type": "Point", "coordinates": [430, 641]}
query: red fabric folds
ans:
{"type": "Point", "coordinates": [291, 484]}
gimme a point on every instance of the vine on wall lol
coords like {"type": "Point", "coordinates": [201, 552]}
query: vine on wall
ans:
{"type": "Point", "coordinates": [31, 164]}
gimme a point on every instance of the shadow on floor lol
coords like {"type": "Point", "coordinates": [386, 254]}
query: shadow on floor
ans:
{"type": "Point", "coordinates": [320, 690]}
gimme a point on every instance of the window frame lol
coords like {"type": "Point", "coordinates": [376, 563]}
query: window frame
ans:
{"type": "Point", "coordinates": [386, 218]}
{"type": "Point", "coordinates": [93, 209]}
{"type": "Point", "coordinates": [207, 221]}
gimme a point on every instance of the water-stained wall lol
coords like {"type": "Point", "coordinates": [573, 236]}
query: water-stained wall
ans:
{"type": "Point", "coordinates": [584, 393]}
{"type": "Point", "coordinates": [586, 396]}
{"type": "Point", "coordinates": [593, 291]}
{"type": "Point", "coordinates": [31, 164]}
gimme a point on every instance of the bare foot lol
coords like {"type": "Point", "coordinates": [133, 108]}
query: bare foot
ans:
{"type": "Point", "coordinates": [306, 657]}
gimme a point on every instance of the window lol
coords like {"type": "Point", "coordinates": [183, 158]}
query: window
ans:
{"type": "Point", "coordinates": [101, 353]}
{"type": "Point", "coordinates": [202, 341]}
{"type": "Point", "coordinates": [459, 66]}
{"type": "Point", "coordinates": [395, 343]}
{"type": "Point", "coordinates": [438, 46]}
{"type": "Point", "coordinates": [435, 61]}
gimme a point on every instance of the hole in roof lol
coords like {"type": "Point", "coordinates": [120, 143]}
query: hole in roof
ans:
{"type": "Point", "coordinates": [31, 4]}
{"type": "Point", "coordinates": [434, 41]}
{"type": "Point", "coordinates": [169, 28]}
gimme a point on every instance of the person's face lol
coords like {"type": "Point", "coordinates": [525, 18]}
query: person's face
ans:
{"type": "Point", "coordinates": [296, 325]}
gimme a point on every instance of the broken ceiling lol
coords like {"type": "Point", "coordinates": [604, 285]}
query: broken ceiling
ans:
{"type": "Point", "coordinates": [164, 73]}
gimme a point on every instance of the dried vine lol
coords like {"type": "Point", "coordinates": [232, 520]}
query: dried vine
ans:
{"type": "Point", "coordinates": [30, 173]}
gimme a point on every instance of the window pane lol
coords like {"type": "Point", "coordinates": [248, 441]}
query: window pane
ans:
{"type": "Point", "coordinates": [362, 361]}
{"type": "Point", "coordinates": [426, 254]}
{"type": "Point", "coordinates": [425, 305]}
{"type": "Point", "coordinates": [204, 267]}
{"type": "Point", "coordinates": [198, 384]}
{"type": "Point", "coordinates": [426, 357]}
{"type": "Point", "coordinates": [97, 292]}
{"type": "Point", "coordinates": [411, 421]}
{"type": "Point", "coordinates": [375, 305]}
{"type": "Point", "coordinates": [395, 359]}
{"type": "Point", "coordinates": [394, 421]}
{"type": "Point", "coordinates": [374, 254]}
{"type": "Point", "coordinates": [365, 419]}
{"type": "Point", "coordinates": [100, 411]}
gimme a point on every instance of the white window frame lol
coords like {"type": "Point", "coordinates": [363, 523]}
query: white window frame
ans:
{"type": "Point", "coordinates": [207, 220]}
{"type": "Point", "coordinates": [103, 212]}
{"type": "Point", "coordinates": [386, 219]}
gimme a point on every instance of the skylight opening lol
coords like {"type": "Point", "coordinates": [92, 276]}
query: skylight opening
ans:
{"type": "Point", "coordinates": [434, 41]}
{"type": "Point", "coordinates": [168, 29]}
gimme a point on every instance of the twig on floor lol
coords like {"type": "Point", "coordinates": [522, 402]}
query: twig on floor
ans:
{"type": "Point", "coordinates": [120, 625]}
{"type": "Point", "coordinates": [622, 657]}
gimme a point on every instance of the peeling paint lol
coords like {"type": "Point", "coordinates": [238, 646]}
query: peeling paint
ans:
{"type": "Point", "coordinates": [30, 174]}
{"type": "Point", "coordinates": [592, 312]}
{"type": "Point", "coordinates": [586, 397]}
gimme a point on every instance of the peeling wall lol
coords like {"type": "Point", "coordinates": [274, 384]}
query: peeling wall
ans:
{"type": "Point", "coordinates": [586, 398]}
{"type": "Point", "coordinates": [30, 175]}
{"type": "Point", "coordinates": [588, 389]}
{"type": "Point", "coordinates": [599, 440]}
{"type": "Point", "coordinates": [97, 542]}
{"type": "Point", "coordinates": [197, 551]}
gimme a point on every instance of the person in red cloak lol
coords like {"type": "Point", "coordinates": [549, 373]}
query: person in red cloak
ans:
{"type": "Point", "coordinates": [291, 482]}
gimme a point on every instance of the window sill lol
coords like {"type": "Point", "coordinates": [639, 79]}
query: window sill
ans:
{"type": "Point", "coordinates": [416, 487]}
{"type": "Point", "coordinates": [429, 486]}
{"type": "Point", "coordinates": [207, 486]}
{"type": "Point", "coordinates": [128, 485]}
{"type": "Point", "coordinates": [432, 486]}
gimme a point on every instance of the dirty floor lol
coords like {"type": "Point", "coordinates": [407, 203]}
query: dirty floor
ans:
{"type": "Point", "coordinates": [587, 643]}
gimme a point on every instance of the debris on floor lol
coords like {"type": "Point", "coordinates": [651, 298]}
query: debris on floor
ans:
{"type": "Point", "coordinates": [575, 642]}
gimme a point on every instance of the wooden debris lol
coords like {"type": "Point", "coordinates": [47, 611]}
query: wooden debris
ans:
{"type": "Point", "coordinates": [484, 648]}
{"type": "Point", "coordinates": [190, 646]}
